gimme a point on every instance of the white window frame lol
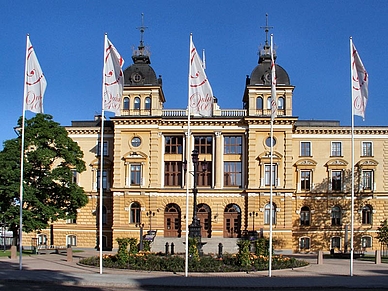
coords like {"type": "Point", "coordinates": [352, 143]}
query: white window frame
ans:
{"type": "Point", "coordinates": [363, 154]}
{"type": "Point", "coordinates": [365, 239]}
{"type": "Point", "coordinates": [304, 238]}
{"type": "Point", "coordinates": [267, 209]}
{"type": "Point", "coordinates": [275, 181]}
{"type": "Point", "coordinates": [71, 240]}
{"type": "Point", "coordinates": [370, 180]}
{"type": "Point", "coordinates": [300, 148]}
{"type": "Point", "coordinates": [334, 153]}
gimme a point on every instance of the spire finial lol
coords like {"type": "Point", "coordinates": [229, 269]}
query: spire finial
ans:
{"type": "Point", "coordinates": [142, 28]}
{"type": "Point", "coordinates": [266, 29]}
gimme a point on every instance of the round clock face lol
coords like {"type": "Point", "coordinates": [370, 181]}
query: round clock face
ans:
{"type": "Point", "coordinates": [136, 141]}
{"type": "Point", "coordinates": [268, 142]}
{"type": "Point", "coordinates": [136, 77]}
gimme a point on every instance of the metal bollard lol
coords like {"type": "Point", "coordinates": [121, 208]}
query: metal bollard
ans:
{"type": "Point", "coordinates": [220, 246]}
{"type": "Point", "coordinates": [172, 248]}
{"type": "Point", "coordinates": [167, 245]}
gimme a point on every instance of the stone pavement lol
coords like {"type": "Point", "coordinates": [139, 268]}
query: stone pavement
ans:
{"type": "Point", "coordinates": [54, 268]}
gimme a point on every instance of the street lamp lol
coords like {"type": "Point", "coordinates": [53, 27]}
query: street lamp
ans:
{"type": "Point", "coordinates": [253, 215]}
{"type": "Point", "coordinates": [150, 214]}
{"type": "Point", "coordinates": [141, 245]}
{"type": "Point", "coordinates": [195, 226]}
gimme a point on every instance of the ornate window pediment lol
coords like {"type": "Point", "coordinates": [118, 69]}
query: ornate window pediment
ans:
{"type": "Point", "coordinates": [305, 164]}
{"type": "Point", "coordinates": [266, 156]}
{"type": "Point", "coordinates": [367, 164]}
{"type": "Point", "coordinates": [337, 164]}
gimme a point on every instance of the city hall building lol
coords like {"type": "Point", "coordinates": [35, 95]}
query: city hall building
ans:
{"type": "Point", "coordinates": [145, 167]}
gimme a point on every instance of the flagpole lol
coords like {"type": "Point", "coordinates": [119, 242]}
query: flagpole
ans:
{"type": "Point", "coordinates": [101, 149]}
{"type": "Point", "coordinates": [188, 146]}
{"type": "Point", "coordinates": [352, 164]}
{"type": "Point", "coordinates": [271, 176]}
{"type": "Point", "coordinates": [22, 163]}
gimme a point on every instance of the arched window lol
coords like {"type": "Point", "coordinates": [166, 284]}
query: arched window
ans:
{"type": "Point", "coordinates": [267, 210]}
{"type": "Point", "coordinates": [126, 103]}
{"type": "Point", "coordinates": [305, 216]}
{"type": "Point", "coordinates": [136, 104]}
{"type": "Point", "coordinates": [281, 103]}
{"type": "Point", "coordinates": [147, 103]}
{"type": "Point", "coordinates": [259, 103]}
{"type": "Point", "coordinates": [269, 103]}
{"type": "Point", "coordinates": [366, 214]}
{"type": "Point", "coordinates": [134, 215]}
{"type": "Point", "coordinates": [336, 216]}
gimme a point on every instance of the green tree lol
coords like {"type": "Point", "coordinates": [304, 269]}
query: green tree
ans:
{"type": "Point", "coordinates": [382, 233]}
{"type": "Point", "coordinates": [50, 192]}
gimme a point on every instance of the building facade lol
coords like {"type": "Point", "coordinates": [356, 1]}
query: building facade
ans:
{"type": "Point", "coordinates": [146, 170]}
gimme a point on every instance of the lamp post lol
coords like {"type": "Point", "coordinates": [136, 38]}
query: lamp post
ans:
{"type": "Point", "coordinates": [150, 214]}
{"type": "Point", "coordinates": [253, 215]}
{"type": "Point", "coordinates": [141, 245]}
{"type": "Point", "coordinates": [195, 226]}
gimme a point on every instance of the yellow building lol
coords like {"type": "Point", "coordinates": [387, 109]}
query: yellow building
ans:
{"type": "Point", "coordinates": [145, 150]}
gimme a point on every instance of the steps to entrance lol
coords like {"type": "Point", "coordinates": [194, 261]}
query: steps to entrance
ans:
{"type": "Point", "coordinates": [210, 246]}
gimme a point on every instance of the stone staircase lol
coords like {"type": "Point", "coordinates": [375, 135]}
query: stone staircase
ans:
{"type": "Point", "coordinates": [211, 246]}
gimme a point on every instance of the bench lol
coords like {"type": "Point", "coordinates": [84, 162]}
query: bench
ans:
{"type": "Point", "coordinates": [50, 249]}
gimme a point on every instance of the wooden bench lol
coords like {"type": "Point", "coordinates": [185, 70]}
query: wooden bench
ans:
{"type": "Point", "coordinates": [50, 249]}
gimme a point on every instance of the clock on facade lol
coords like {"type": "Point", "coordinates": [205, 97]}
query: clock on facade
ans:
{"type": "Point", "coordinates": [136, 141]}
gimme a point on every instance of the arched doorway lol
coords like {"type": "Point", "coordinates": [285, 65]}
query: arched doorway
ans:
{"type": "Point", "coordinates": [232, 221]}
{"type": "Point", "coordinates": [205, 218]}
{"type": "Point", "coordinates": [172, 220]}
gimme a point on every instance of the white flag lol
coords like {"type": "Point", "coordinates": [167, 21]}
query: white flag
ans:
{"type": "Point", "coordinates": [200, 92]}
{"type": "Point", "coordinates": [360, 81]}
{"type": "Point", "coordinates": [113, 79]}
{"type": "Point", "coordinates": [35, 82]}
{"type": "Point", "coordinates": [274, 106]}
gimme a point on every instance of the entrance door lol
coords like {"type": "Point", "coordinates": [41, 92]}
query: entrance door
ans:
{"type": "Point", "coordinates": [204, 215]}
{"type": "Point", "coordinates": [172, 221]}
{"type": "Point", "coordinates": [232, 221]}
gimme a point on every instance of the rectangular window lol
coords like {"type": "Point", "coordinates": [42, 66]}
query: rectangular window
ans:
{"type": "Point", "coordinates": [135, 174]}
{"type": "Point", "coordinates": [104, 179]}
{"type": "Point", "coordinates": [304, 243]}
{"type": "Point", "coordinates": [74, 176]}
{"type": "Point", "coordinates": [105, 149]}
{"type": "Point", "coordinates": [267, 175]}
{"type": "Point", "coordinates": [204, 177]}
{"type": "Point", "coordinates": [336, 149]}
{"type": "Point", "coordinates": [367, 149]}
{"type": "Point", "coordinates": [336, 242]}
{"type": "Point", "coordinates": [305, 180]}
{"type": "Point", "coordinates": [367, 180]}
{"type": "Point", "coordinates": [232, 145]}
{"type": "Point", "coordinates": [173, 145]}
{"type": "Point", "coordinates": [71, 240]}
{"type": "Point", "coordinates": [305, 149]}
{"type": "Point", "coordinates": [232, 174]}
{"type": "Point", "coordinates": [173, 173]}
{"type": "Point", "coordinates": [71, 221]}
{"type": "Point", "coordinates": [366, 242]}
{"type": "Point", "coordinates": [204, 144]}
{"type": "Point", "coordinates": [336, 180]}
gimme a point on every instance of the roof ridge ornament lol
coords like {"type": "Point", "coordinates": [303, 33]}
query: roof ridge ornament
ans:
{"type": "Point", "coordinates": [266, 29]}
{"type": "Point", "coordinates": [142, 53]}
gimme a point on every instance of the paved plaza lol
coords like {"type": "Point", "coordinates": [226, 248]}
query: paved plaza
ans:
{"type": "Point", "coordinates": [55, 269]}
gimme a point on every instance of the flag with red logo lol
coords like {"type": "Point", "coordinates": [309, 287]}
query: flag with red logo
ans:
{"type": "Point", "coordinates": [200, 92]}
{"type": "Point", "coordinates": [360, 79]}
{"type": "Point", "coordinates": [113, 78]}
{"type": "Point", "coordinates": [35, 82]}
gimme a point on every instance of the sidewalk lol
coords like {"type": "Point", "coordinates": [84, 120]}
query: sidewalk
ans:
{"type": "Point", "coordinates": [55, 268]}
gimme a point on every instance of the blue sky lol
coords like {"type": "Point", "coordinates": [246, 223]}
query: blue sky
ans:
{"type": "Point", "coordinates": [312, 40]}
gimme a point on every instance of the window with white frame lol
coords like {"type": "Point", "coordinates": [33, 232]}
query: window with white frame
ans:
{"type": "Point", "coordinates": [336, 149]}
{"type": "Point", "coordinates": [134, 213]}
{"type": "Point", "coordinates": [71, 220]}
{"type": "Point", "coordinates": [42, 239]}
{"type": "Point", "coordinates": [259, 103]}
{"type": "Point", "coordinates": [366, 214]}
{"type": "Point", "coordinates": [71, 240]}
{"type": "Point", "coordinates": [335, 242]}
{"type": "Point", "coordinates": [367, 179]}
{"type": "Point", "coordinates": [267, 211]}
{"type": "Point", "coordinates": [74, 176]}
{"type": "Point", "coordinates": [136, 103]}
{"type": "Point", "coordinates": [105, 149]}
{"type": "Point", "coordinates": [367, 149]}
{"type": "Point", "coordinates": [267, 174]}
{"type": "Point", "coordinates": [305, 216]}
{"type": "Point", "coordinates": [135, 176]}
{"type": "Point", "coordinates": [147, 103]}
{"type": "Point", "coordinates": [104, 179]}
{"type": "Point", "coordinates": [336, 180]}
{"type": "Point", "coordinates": [305, 149]}
{"type": "Point", "coordinates": [304, 243]}
{"type": "Point", "coordinates": [336, 214]}
{"type": "Point", "coordinates": [305, 180]}
{"type": "Point", "coordinates": [281, 103]}
{"type": "Point", "coordinates": [366, 241]}
{"type": "Point", "coordinates": [126, 103]}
